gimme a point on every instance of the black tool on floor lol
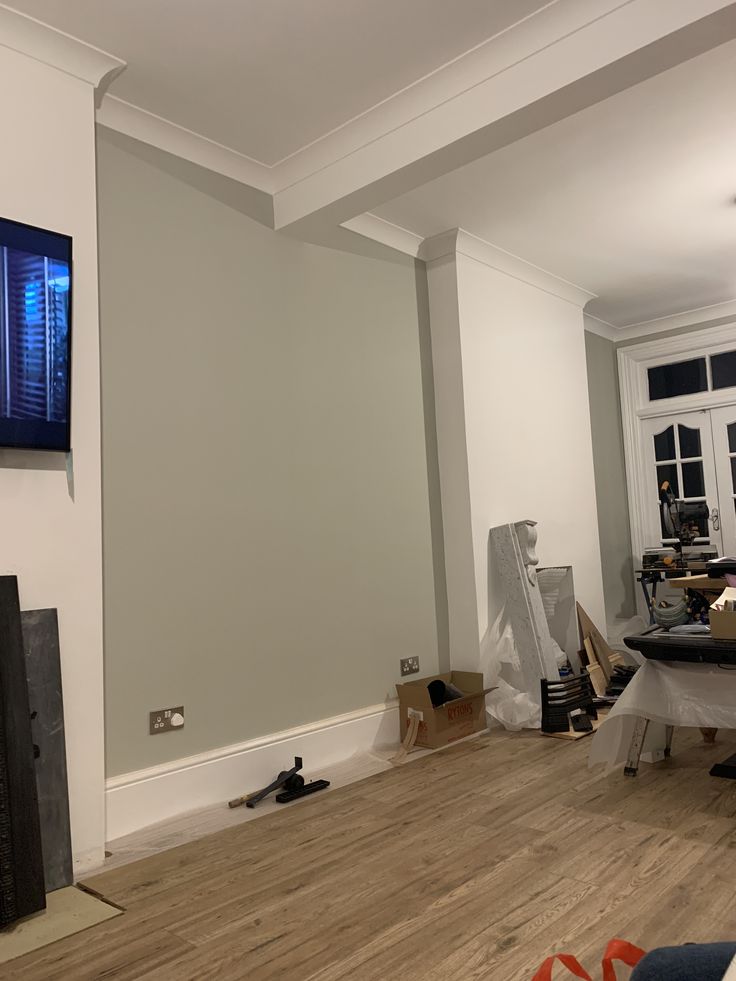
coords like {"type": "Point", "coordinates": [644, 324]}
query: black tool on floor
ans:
{"type": "Point", "coordinates": [289, 794]}
{"type": "Point", "coordinates": [281, 780]}
{"type": "Point", "coordinates": [293, 785]}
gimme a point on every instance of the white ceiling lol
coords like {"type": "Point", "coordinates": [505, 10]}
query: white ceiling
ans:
{"type": "Point", "coordinates": [632, 199]}
{"type": "Point", "coordinates": [268, 77]}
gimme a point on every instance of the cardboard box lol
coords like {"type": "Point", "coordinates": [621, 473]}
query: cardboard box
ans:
{"type": "Point", "coordinates": [722, 621]}
{"type": "Point", "coordinates": [722, 624]}
{"type": "Point", "coordinates": [449, 722]}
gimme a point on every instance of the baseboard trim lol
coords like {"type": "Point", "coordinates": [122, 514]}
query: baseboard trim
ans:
{"type": "Point", "coordinates": [143, 797]}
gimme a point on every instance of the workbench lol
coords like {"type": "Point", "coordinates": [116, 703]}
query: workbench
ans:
{"type": "Point", "coordinates": [683, 682]}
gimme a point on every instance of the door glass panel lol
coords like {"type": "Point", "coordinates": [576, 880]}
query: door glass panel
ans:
{"type": "Point", "coordinates": [733, 473]}
{"type": "Point", "coordinates": [689, 442]}
{"type": "Point", "coordinates": [723, 367]}
{"type": "Point", "coordinates": [681, 378]}
{"type": "Point", "coordinates": [693, 481]}
{"type": "Point", "coordinates": [732, 438]}
{"type": "Point", "coordinates": [668, 471]}
{"type": "Point", "coordinates": [664, 444]}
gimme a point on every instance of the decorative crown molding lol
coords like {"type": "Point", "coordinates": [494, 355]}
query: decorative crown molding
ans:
{"type": "Point", "coordinates": [687, 318]}
{"type": "Point", "coordinates": [145, 126]}
{"type": "Point", "coordinates": [30, 37]}
{"type": "Point", "coordinates": [385, 232]}
{"type": "Point", "coordinates": [602, 328]}
{"type": "Point", "coordinates": [459, 242]}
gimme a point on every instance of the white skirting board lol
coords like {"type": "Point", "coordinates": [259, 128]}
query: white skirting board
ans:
{"type": "Point", "coordinates": [136, 800]}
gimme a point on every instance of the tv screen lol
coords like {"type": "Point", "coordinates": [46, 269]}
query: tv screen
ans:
{"type": "Point", "coordinates": [35, 337]}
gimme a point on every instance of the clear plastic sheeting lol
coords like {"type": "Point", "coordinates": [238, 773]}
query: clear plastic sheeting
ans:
{"type": "Point", "coordinates": [626, 628]}
{"type": "Point", "coordinates": [696, 695]}
{"type": "Point", "coordinates": [510, 704]}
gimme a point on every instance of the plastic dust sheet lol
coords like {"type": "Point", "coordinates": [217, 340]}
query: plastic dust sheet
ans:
{"type": "Point", "coordinates": [674, 694]}
{"type": "Point", "coordinates": [510, 704]}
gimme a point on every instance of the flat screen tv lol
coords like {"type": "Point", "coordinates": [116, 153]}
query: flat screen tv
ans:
{"type": "Point", "coordinates": [35, 337]}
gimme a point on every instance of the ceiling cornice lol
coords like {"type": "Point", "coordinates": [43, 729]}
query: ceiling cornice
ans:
{"type": "Point", "coordinates": [600, 327]}
{"type": "Point", "coordinates": [154, 130]}
{"type": "Point", "coordinates": [577, 52]}
{"type": "Point", "coordinates": [459, 242]}
{"type": "Point", "coordinates": [687, 318]}
{"type": "Point", "coordinates": [51, 47]}
{"type": "Point", "coordinates": [458, 76]}
{"type": "Point", "coordinates": [568, 54]}
{"type": "Point", "coordinates": [385, 232]}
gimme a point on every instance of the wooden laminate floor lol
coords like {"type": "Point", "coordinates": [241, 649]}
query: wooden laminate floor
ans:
{"type": "Point", "coordinates": [473, 863]}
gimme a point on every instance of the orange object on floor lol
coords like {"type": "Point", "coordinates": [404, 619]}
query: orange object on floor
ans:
{"type": "Point", "coordinates": [617, 950]}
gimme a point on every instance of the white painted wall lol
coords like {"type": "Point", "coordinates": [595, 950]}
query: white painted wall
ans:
{"type": "Point", "coordinates": [530, 452]}
{"type": "Point", "coordinates": [453, 463]}
{"type": "Point", "coordinates": [50, 527]}
{"type": "Point", "coordinates": [527, 432]}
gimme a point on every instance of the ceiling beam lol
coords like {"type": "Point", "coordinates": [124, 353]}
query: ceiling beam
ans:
{"type": "Point", "coordinates": [567, 57]}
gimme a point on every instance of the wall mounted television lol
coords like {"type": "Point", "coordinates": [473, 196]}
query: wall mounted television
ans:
{"type": "Point", "coordinates": [35, 337]}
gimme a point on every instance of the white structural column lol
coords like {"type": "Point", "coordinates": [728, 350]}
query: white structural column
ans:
{"type": "Point", "coordinates": [513, 425]}
{"type": "Point", "coordinates": [50, 519]}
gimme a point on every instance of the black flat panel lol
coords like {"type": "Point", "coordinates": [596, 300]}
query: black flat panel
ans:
{"type": "Point", "coordinates": [693, 480]}
{"type": "Point", "coordinates": [689, 442]}
{"type": "Point", "coordinates": [658, 644]}
{"type": "Point", "coordinates": [664, 444]}
{"type": "Point", "coordinates": [681, 378]}
{"type": "Point", "coordinates": [22, 883]}
{"type": "Point", "coordinates": [43, 669]}
{"type": "Point", "coordinates": [723, 367]}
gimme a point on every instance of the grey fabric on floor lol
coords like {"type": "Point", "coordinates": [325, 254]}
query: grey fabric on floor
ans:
{"type": "Point", "coordinates": [693, 962]}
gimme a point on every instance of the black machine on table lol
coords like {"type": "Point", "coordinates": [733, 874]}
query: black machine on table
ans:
{"type": "Point", "coordinates": [658, 644]}
{"type": "Point", "coordinates": [685, 547]}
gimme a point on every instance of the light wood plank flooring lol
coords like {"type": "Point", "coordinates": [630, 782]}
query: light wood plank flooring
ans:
{"type": "Point", "coordinates": [473, 863]}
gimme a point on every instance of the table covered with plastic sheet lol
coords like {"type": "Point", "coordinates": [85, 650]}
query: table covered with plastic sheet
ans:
{"type": "Point", "coordinates": [672, 693]}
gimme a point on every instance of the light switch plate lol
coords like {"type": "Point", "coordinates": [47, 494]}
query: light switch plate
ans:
{"type": "Point", "coordinates": [161, 720]}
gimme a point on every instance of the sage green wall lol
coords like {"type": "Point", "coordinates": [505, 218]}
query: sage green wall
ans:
{"type": "Point", "coordinates": [610, 477]}
{"type": "Point", "coordinates": [267, 539]}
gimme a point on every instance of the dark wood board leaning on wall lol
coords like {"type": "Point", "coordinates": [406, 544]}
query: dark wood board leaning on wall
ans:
{"type": "Point", "coordinates": [21, 861]}
{"type": "Point", "coordinates": [43, 670]}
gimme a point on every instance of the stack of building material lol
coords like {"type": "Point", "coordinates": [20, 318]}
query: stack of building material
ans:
{"type": "Point", "coordinates": [608, 672]}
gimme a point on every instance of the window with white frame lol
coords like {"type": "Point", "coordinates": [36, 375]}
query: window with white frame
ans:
{"type": "Point", "coordinates": [674, 379]}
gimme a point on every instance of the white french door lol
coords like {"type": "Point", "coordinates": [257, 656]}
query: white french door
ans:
{"type": "Point", "coordinates": [723, 422]}
{"type": "Point", "coordinates": [679, 448]}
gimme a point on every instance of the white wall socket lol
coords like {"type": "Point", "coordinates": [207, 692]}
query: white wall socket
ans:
{"type": "Point", "coordinates": [165, 720]}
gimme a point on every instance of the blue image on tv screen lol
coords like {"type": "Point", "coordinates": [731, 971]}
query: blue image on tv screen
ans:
{"type": "Point", "coordinates": [35, 337]}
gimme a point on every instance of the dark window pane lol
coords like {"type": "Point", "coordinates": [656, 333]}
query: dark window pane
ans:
{"type": "Point", "coordinates": [668, 471]}
{"type": "Point", "coordinates": [733, 473]}
{"type": "Point", "coordinates": [732, 437]}
{"type": "Point", "coordinates": [664, 445]}
{"type": "Point", "coordinates": [683, 378]}
{"type": "Point", "coordinates": [723, 368]}
{"type": "Point", "coordinates": [689, 441]}
{"type": "Point", "coordinates": [693, 483]}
